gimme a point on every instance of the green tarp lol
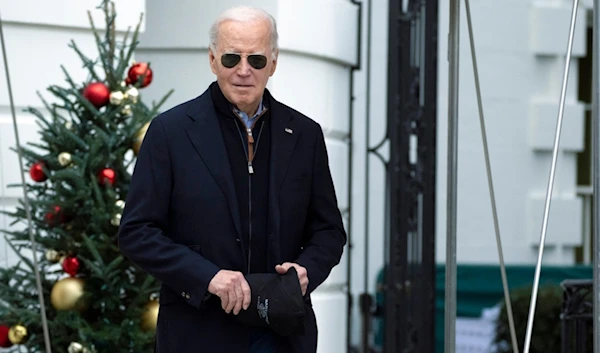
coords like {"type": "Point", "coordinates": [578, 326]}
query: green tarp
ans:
{"type": "Point", "coordinates": [480, 287]}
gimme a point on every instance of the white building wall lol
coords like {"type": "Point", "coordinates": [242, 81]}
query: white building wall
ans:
{"type": "Point", "coordinates": [36, 47]}
{"type": "Point", "coordinates": [520, 49]}
{"type": "Point", "coordinates": [317, 49]}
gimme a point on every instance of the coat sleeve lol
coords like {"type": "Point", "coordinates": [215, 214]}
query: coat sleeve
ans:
{"type": "Point", "coordinates": [324, 231]}
{"type": "Point", "coordinates": [145, 221]}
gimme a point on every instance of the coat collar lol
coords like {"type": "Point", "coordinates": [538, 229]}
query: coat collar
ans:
{"type": "Point", "coordinates": [205, 135]}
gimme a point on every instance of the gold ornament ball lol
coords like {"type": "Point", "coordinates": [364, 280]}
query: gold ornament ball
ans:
{"type": "Point", "coordinates": [132, 94]}
{"type": "Point", "coordinates": [139, 137]}
{"type": "Point", "coordinates": [150, 316]}
{"type": "Point", "coordinates": [17, 334]}
{"type": "Point", "coordinates": [53, 255]}
{"type": "Point", "coordinates": [116, 220]}
{"type": "Point", "coordinates": [116, 97]}
{"type": "Point", "coordinates": [64, 158]}
{"type": "Point", "coordinates": [120, 204]}
{"type": "Point", "coordinates": [66, 293]}
{"type": "Point", "coordinates": [126, 110]}
{"type": "Point", "coordinates": [76, 347]}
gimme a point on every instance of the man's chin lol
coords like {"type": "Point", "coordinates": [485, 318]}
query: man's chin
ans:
{"type": "Point", "coordinates": [243, 99]}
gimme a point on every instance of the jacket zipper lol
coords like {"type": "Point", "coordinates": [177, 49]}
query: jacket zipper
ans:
{"type": "Point", "coordinates": [250, 157]}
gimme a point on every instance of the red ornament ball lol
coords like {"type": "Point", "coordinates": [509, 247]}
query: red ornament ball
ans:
{"type": "Point", "coordinates": [36, 172]}
{"type": "Point", "coordinates": [107, 175]}
{"type": "Point", "coordinates": [97, 93]}
{"type": "Point", "coordinates": [52, 217]}
{"type": "Point", "coordinates": [71, 265]}
{"type": "Point", "coordinates": [4, 341]}
{"type": "Point", "coordinates": [135, 73]}
{"type": "Point", "coordinates": [56, 216]}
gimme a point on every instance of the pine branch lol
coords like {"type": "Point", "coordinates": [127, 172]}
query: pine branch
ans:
{"type": "Point", "coordinates": [122, 66]}
{"type": "Point", "coordinates": [29, 154]}
{"type": "Point", "coordinates": [39, 115]}
{"type": "Point", "coordinates": [87, 62]}
{"type": "Point", "coordinates": [134, 42]}
{"type": "Point", "coordinates": [68, 78]}
{"type": "Point", "coordinates": [99, 44]}
{"type": "Point", "coordinates": [86, 103]}
{"type": "Point", "coordinates": [114, 263]}
{"type": "Point", "coordinates": [57, 117]}
{"type": "Point", "coordinates": [97, 193]}
{"type": "Point", "coordinates": [82, 144]}
{"type": "Point", "coordinates": [34, 111]}
{"type": "Point", "coordinates": [23, 258]}
{"type": "Point", "coordinates": [65, 96]}
{"type": "Point", "coordinates": [27, 151]}
{"type": "Point", "coordinates": [110, 39]}
{"type": "Point", "coordinates": [91, 265]}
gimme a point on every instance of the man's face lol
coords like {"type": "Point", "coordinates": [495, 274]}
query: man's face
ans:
{"type": "Point", "coordinates": [243, 85]}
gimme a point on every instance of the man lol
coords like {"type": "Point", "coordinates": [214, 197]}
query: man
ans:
{"type": "Point", "coordinates": [229, 184]}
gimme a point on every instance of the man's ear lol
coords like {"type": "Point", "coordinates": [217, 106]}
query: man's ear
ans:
{"type": "Point", "coordinates": [274, 66]}
{"type": "Point", "coordinates": [212, 59]}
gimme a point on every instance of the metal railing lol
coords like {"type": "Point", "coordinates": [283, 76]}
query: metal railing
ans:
{"type": "Point", "coordinates": [576, 316]}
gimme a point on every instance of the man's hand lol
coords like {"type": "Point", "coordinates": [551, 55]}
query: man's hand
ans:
{"type": "Point", "coordinates": [232, 288]}
{"type": "Point", "coordinates": [302, 273]}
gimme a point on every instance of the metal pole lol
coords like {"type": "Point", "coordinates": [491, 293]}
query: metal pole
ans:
{"type": "Point", "coordinates": [511, 321]}
{"type": "Point", "coordinates": [450, 291]}
{"type": "Point", "coordinates": [36, 269]}
{"type": "Point", "coordinates": [561, 108]}
{"type": "Point", "coordinates": [596, 171]}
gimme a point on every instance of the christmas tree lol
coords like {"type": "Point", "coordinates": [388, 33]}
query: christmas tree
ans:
{"type": "Point", "coordinates": [79, 170]}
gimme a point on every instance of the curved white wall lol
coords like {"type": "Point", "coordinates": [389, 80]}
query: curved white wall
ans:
{"type": "Point", "coordinates": [317, 48]}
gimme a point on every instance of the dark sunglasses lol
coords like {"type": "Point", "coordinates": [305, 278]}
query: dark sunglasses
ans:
{"type": "Point", "coordinates": [257, 61]}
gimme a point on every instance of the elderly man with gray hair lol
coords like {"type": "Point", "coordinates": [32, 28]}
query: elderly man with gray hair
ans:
{"type": "Point", "coordinates": [232, 206]}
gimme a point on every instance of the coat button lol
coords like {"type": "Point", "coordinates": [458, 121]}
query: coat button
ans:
{"type": "Point", "coordinates": [187, 296]}
{"type": "Point", "coordinates": [183, 294]}
{"type": "Point", "coordinates": [238, 240]}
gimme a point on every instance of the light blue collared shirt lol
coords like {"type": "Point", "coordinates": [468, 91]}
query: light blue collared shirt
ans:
{"type": "Point", "coordinates": [249, 121]}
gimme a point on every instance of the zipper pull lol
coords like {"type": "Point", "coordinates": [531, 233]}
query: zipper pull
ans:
{"type": "Point", "coordinates": [250, 150]}
{"type": "Point", "coordinates": [250, 168]}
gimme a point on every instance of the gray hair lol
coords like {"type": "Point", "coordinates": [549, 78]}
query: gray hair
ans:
{"type": "Point", "coordinates": [244, 14]}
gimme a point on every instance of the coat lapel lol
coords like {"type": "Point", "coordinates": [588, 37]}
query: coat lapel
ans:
{"type": "Point", "coordinates": [283, 141]}
{"type": "Point", "coordinates": [205, 134]}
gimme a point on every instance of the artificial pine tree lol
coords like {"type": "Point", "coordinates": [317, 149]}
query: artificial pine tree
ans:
{"type": "Point", "coordinates": [95, 299]}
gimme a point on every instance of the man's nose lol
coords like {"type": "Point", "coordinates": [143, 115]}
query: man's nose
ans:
{"type": "Point", "coordinates": [243, 68]}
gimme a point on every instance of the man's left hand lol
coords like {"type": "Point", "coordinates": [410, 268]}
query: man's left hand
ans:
{"type": "Point", "coordinates": [302, 273]}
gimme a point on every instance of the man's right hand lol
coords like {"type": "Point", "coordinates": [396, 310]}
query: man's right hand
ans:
{"type": "Point", "coordinates": [232, 288]}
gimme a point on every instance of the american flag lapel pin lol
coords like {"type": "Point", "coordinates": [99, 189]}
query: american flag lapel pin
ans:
{"type": "Point", "coordinates": [289, 131]}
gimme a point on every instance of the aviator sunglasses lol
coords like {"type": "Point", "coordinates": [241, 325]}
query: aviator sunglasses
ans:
{"type": "Point", "coordinates": [257, 61]}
